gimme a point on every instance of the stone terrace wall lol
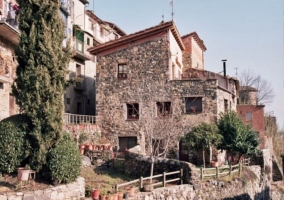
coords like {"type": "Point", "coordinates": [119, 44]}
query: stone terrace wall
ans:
{"type": "Point", "coordinates": [214, 190]}
{"type": "Point", "coordinates": [139, 165]}
{"type": "Point", "coordinates": [71, 191]}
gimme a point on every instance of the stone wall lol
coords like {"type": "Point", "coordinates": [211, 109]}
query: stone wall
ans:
{"type": "Point", "coordinates": [7, 74]}
{"type": "Point", "coordinates": [148, 82]}
{"type": "Point", "coordinates": [71, 191]}
{"type": "Point", "coordinates": [139, 165]}
{"type": "Point", "coordinates": [236, 189]}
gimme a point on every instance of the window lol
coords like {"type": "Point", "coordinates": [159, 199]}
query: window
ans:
{"type": "Point", "coordinates": [193, 104]}
{"type": "Point", "coordinates": [122, 71]}
{"type": "Point", "coordinates": [164, 108]}
{"type": "Point", "coordinates": [127, 143]}
{"type": "Point", "coordinates": [102, 31]}
{"type": "Point", "coordinates": [132, 111]}
{"type": "Point", "coordinates": [78, 70]}
{"type": "Point", "coordinates": [248, 116]}
{"type": "Point", "coordinates": [226, 105]}
{"type": "Point", "coordinates": [1, 85]}
{"type": "Point", "coordinates": [68, 100]}
{"type": "Point", "coordinates": [88, 41]}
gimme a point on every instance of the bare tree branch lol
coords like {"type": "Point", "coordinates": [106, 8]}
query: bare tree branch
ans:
{"type": "Point", "coordinates": [255, 83]}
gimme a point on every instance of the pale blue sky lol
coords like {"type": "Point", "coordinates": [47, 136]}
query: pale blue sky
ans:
{"type": "Point", "coordinates": [248, 33]}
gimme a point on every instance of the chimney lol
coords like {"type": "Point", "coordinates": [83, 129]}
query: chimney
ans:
{"type": "Point", "coordinates": [224, 67]}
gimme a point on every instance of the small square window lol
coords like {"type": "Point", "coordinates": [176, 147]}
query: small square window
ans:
{"type": "Point", "coordinates": [88, 41]}
{"type": "Point", "coordinates": [1, 86]}
{"type": "Point", "coordinates": [68, 100]}
{"type": "Point", "coordinates": [132, 111]}
{"type": "Point", "coordinates": [193, 104]}
{"type": "Point", "coordinates": [248, 116]}
{"type": "Point", "coordinates": [122, 71]}
{"type": "Point", "coordinates": [164, 108]}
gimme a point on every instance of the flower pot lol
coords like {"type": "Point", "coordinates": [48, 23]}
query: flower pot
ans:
{"type": "Point", "coordinates": [23, 174]}
{"type": "Point", "coordinates": [126, 195]}
{"type": "Point", "coordinates": [119, 196]}
{"type": "Point", "coordinates": [89, 147]}
{"type": "Point", "coordinates": [95, 194]}
{"type": "Point", "coordinates": [102, 197]}
{"type": "Point", "coordinates": [131, 192]}
{"type": "Point", "coordinates": [81, 146]}
{"type": "Point", "coordinates": [109, 197]}
{"type": "Point", "coordinates": [114, 196]}
{"type": "Point", "coordinates": [82, 151]}
{"type": "Point", "coordinates": [214, 163]}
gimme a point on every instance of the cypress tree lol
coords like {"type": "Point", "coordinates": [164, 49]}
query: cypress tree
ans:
{"type": "Point", "coordinates": [40, 81]}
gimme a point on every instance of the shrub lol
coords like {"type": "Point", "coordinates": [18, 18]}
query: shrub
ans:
{"type": "Point", "coordinates": [14, 146]}
{"type": "Point", "coordinates": [64, 161]}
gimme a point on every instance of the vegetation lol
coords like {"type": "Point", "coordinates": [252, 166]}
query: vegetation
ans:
{"type": "Point", "coordinates": [264, 90]}
{"type": "Point", "coordinates": [64, 161]}
{"type": "Point", "coordinates": [14, 146]}
{"type": "Point", "coordinates": [237, 137]}
{"type": "Point", "coordinates": [203, 136]}
{"type": "Point", "coordinates": [40, 81]}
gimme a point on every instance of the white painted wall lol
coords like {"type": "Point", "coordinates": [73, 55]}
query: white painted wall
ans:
{"type": "Point", "coordinates": [176, 54]}
{"type": "Point", "coordinates": [197, 55]}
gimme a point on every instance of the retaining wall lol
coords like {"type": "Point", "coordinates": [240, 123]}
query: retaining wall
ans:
{"type": "Point", "coordinates": [71, 191]}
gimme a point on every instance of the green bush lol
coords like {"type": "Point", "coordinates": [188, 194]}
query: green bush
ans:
{"type": "Point", "coordinates": [14, 145]}
{"type": "Point", "coordinates": [64, 161]}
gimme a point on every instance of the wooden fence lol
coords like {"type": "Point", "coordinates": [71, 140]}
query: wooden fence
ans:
{"type": "Point", "coordinates": [225, 170]}
{"type": "Point", "coordinates": [163, 182]}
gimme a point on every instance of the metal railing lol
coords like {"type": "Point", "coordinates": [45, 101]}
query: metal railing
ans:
{"type": "Point", "coordinates": [78, 119]}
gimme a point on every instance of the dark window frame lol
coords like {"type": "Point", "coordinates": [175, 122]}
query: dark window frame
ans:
{"type": "Point", "coordinates": [164, 108]}
{"type": "Point", "coordinates": [193, 105]}
{"type": "Point", "coordinates": [122, 71]}
{"type": "Point", "coordinates": [132, 111]}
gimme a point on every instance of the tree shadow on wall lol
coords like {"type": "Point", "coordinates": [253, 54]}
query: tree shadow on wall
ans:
{"type": "Point", "coordinates": [259, 196]}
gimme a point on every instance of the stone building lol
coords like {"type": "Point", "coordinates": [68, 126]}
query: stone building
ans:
{"type": "Point", "coordinates": [9, 38]}
{"type": "Point", "coordinates": [147, 76]}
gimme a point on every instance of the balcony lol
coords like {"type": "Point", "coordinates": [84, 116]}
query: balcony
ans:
{"type": "Point", "coordinates": [78, 119]}
{"type": "Point", "coordinates": [80, 50]}
{"type": "Point", "coordinates": [202, 75]}
{"type": "Point", "coordinates": [9, 32]}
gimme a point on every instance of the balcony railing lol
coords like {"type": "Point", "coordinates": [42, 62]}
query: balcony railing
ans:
{"type": "Point", "coordinates": [223, 82]}
{"type": "Point", "coordinates": [78, 119]}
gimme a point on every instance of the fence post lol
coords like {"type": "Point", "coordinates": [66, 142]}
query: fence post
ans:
{"type": "Point", "coordinates": [201, 169]}
{"type": "Point", "coordinates": [181, 176]}
{"type": "Point", "coordinates": [230, 169]}
{"type": "Point", "coordinates": [240, 168]}
{"type": "Point", "coordinates": [164, 179]}
{"type": "Point", "coordinates": [116, 188]}
{"type": "Point", "coordinates": [141, 182]}
{"type": "Point", "coordinates": [217, 172]}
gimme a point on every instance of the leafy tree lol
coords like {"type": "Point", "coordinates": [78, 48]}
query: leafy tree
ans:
{"type": "Point", "coordinates": [237, 137]}
{"type": "Point", "coordinates": [40, 81]}
{"type": "Point", "coordinates": [203, 136]}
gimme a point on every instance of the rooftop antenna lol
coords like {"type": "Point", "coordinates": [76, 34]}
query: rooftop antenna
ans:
{"type": "Point", "coordinates": [172, 4]}
{"type": "Point", "coordinates": [236, 71]}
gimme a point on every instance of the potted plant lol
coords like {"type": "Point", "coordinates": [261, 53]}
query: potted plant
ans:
{"type": "Point", "coordinates": [193, 109]}
{"type": "Point", "coordinates": [83, 137]}
{"type": "Point", "coordinates": [23, 173]}
{"type": "Point", "coordinates": [103, 195]}
{"type": "Point", "coordinates": [96, 194]}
